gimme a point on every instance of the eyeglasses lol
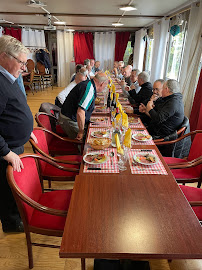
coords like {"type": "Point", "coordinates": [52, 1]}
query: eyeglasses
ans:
{"type": "Point", "coordinates": [156, 89]}
{"type": "Point", "coordinates": [20, 62]}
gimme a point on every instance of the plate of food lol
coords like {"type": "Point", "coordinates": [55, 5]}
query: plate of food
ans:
{"type": "Point", "coordinates": [146, 159]}
{"type": "Point", "coordinates": [95, 158]}
{"type": "Point", "coordinates": [97, 119]}
{"type": "Point", "coordinates": [97, 100]}
{"type": "Point", "coordinates": [100, 134]}
{"type": "Point", "coordinates": [99, 144]}
{"type": "Point", "coordinates": [141, 137]}
{"type": "Point", "coordinates": [133, 121]}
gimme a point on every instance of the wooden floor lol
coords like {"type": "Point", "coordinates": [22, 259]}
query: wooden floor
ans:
{"type": "Point", "coordinates": [13, 250]}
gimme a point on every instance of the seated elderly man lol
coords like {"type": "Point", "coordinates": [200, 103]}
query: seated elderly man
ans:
{"type": "Point", "coordinates": [97, 66]}
{"type": "Point", "coordinates": [126, 73]}
{"type": "Point", "coordinates": [79, 105]}
{"type": "Point", "coordinates": [80, 76]}
{"type": "Point", "coordinates": [92, 64]}
{"type": "Point", "coordinates": [134, 83]}
{"type": "Point", "coordinates": [145, 91]}
{"type": "Point", "coordinates": [169, 114]}
{"type": "Point", "coordinates": [156, 97]}
{"type": "Point", "coordinates": [77, 68]}
{"type": "Point", "coordinates": [118, 69]}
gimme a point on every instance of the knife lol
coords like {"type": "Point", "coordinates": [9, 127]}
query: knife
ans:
{"type": "Point", "coordinates": [89, 168]}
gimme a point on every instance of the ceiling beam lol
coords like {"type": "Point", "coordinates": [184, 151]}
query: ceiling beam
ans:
{"type": "Point", "coordinates": [83, 15]}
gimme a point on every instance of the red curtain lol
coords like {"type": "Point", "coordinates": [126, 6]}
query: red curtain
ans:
{"type": "Point", "coordinates": [16, 33]}
{"type": "Point", "coordinates": [121, 44]}
{"type": "Point", "coordinates": [83, 47]}
{"type": "Point", "coordinates": [196, 113]}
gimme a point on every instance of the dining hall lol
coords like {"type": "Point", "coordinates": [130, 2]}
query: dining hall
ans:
{"type": "Point", "coordinates": [101, 135]}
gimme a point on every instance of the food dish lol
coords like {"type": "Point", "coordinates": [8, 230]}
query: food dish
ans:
{"type": "Point", "coordinates": [146, 159]}
{"type": "Point", "coordinates": [99, 144]}
{"type": "Point", "coordinates": [141, 137]}
{"type": "Point", "coordinates": [98, 119]}
{"type": "Point", "coordinates": [100, 134]}
{"type": "Point", "coordinates": [133, 121]}
{"type": "Point", "coordinates": [95, 158]}
{"type": "Point", "coordinates": [97, 100]}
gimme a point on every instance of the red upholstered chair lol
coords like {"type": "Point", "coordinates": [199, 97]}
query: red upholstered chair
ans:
{"type": "Point", "coordinates": [49, 172]}
{"type": "Point", "coordinates": [190, 169]}
{"type": "Point", "coordinates": [194, 196]}
{"type": "Point", "coordinates": [41, 213]}
{"type": "Point", "coordinates": [57, 145]}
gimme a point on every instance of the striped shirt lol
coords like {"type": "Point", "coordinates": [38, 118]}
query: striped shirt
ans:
{"type": "Point", "coordinates": [82, 95]}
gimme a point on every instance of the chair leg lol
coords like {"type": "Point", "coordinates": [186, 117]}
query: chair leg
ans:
{"type": "Point", "coordinates": [83, 264]}
{"type": "Point", "coordinates": [49, 183]}
{"type": "Point", "coordinates": [29, 250]}
{"type": "Point", "coordinates": [199, 184]}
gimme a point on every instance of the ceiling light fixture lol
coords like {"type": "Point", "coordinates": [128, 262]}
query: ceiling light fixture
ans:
{"type": "Point", "coordinates": [60, 23]}
{"type": "Point", "coordinates": [117, 24]}
{"type": "Point", "coordinates": [127, 8]}
{"type": "Point", "coordinates": [35, 4]}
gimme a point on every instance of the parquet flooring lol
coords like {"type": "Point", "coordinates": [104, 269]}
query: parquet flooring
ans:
{"type": "Point", "coordinates": [13, 250]}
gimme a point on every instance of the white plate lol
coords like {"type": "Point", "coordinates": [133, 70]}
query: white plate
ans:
{"type": "Point", "coordinates": [93, 134]}
{"type": "Point", "coordinates": [134, 123]}
{"type": "Point", "coordinates": [145, 140]}
{"type": "Point", "coordinates": [97, 120]}
{"type": "Point", "coordinates": [136, 159]}
{"type": "Point", "coordinates": [95, 163]}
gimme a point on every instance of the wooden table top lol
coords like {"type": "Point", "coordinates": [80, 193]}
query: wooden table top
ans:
{"type": "Point", "coordinates": [141, 216]}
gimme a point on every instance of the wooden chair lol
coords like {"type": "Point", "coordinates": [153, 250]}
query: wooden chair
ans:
{"type": "Point", "coordinates": [41, 213]}
{"type": "Point", "coordinates": [47, 171]}
{"type": "Point", "coordinates": [33, 79]}
{"type": "Point", "coordinates": [190, 169]}
{"type": "Point", "coordinates": [47, 79]}
{"type": "Point", "coordinates": [50, 122]}
{"type": "Point", "coordinates": [57, 145]}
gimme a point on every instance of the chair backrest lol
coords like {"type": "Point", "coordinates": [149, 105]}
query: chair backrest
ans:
{"type": "Point", "coordinates": [42, 141]}
{"type": "Point", "coordinates": [27, 182]}
{"type": "Point", "coordinates": [196, 147]}
{"type": "Point", "coordinates": [30, 65]}
{"type": "Point", "coordinates": [50, 109]}
{"type": "Point", "coordinates": [41, 68]}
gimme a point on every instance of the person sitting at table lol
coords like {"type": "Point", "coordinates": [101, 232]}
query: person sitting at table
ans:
{"type": "Point", "coordinates": [126, 73]}
{"type": "Point", "coordinates": [97, 66]}
{"type": "Point", "coordinates": [118, 70]}
{"type": "Point", "coordinates": [79, 105]}
{"type": "Point", "coordinates": [144, 93]}
{"type": "Point", "coordinates": [80, 76]}
{"type": "Point", "coordinates": [92, 64]}
{"type": "Point", "coordinates": [90, 73]}
{"type": "Point", "coordinates": [78, 67]}
{"type": "Point", "coordinates": [134, 83]}
{"type": "Point", "coordinates": [157, 99]}
{"type": "Point", "coordinates": [169, 114]}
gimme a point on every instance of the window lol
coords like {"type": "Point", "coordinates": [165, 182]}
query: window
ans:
{"type": "Point", "coordinates": [150, 45]}
{"type": "Point", "coordinates": [127, 53]}
{"type": "Point", "coordinates": [175, 54]}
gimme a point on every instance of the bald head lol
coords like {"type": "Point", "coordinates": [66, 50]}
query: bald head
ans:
{"type": "Point", "coordinates": [100, 80]}
{"type": "Point", "coordinates": [127, 71]}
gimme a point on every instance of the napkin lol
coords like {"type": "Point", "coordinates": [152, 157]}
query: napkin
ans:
{"type": "Point", "coordinates": [113, 88]}
{"type": "Point", "coordinates": [118, 145]}
{"type": "Point", "coordinates": [117, 97]}
{"type": "Point", "coordinates": [127, 138]}
{"type": "Point", "coordinates": [118, 105]}
{"type": "Point", "coordinates": [124, 120]}
{"type": "Point", "coordinates": [118, 118]}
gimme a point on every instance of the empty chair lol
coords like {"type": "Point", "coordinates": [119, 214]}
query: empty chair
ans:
{"type": "Point", "coordinates": [41, 213]}
{"type": "Point", "coordinates": [47, 79]}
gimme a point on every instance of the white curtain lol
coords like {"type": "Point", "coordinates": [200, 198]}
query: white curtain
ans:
{"type": "Point", "coordinates": [104, 49]}
{"type": "Point", "coordinates": [33, 40]}
{"type": "Point", "coordinates": [139, 49]}
{"type": "Point", "coordinates": [192, 55]}
{"type": "Point", "coordinates": [64, 56]}
{"type": "Point", "coordinates": [161, 34]}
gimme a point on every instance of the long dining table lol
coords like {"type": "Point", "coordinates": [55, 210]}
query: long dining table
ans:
{"type": "Point", "coordinates": [139, 213]}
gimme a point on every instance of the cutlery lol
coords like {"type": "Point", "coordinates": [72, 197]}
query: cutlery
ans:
{"type": "Point", "coordinates": [99, 169]}
{"type": "Point", "coordinates": [111, 155]}
{"type": "Point", "coordinates": [146, 150]}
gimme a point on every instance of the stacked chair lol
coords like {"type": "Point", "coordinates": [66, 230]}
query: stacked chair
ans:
{"type": "Point", "coordinates": [32, 80]}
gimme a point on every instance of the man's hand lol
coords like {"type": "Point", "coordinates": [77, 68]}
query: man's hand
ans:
{"type": "Point", "coordinates": [127, 88]}
{"type": "Point", "coordinates": [142, 108]}
{"type": "Point", "coordinates": [15, 161]}
{"type": "Point", "coordinates": [123, 83]}
{"type": "Point", "coordinates": [132, 87]}
{"type": "Point", "coordinates": [80, 135]}
{"type": "Point", "coordinates": [34, 138]}
{"type": "Point", "coordinates": [150, 105]}
{"type": "Point", "coordinates": [154, 97]}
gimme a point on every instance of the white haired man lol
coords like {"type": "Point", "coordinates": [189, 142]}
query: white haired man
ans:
{"type": "Point", "coordinates": [80, 76]}
{"type": "Point", "coordinates": [134, 83]}
{"type": "Point", "coordinates": [169, 114]}
{"type": "Point", "coordinates": [16, 125]}
{"type": "Point", "coordinates": [79, 105]}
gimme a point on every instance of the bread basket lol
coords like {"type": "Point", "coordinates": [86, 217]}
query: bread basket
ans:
{"type": "Point", "coordinates": [99, 144]}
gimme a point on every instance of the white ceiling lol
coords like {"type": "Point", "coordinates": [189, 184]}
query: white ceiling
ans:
{"type": "Point", "coordinates": [83, 14]}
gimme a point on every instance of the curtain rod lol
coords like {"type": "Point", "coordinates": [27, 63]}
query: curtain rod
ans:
{"type": "Point", "coordinates": [181, 11]}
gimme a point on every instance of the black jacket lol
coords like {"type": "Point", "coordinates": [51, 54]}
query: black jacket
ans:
{"type": "Point", "coordinates": [144, 93]}
{"type": "Point", "coordinates": [168, 116]}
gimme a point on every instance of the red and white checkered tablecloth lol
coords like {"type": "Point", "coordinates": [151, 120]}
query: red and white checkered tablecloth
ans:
{"type": "Point", "coordinates": [137, 125]}
{"type": "Point", "coordinates": [98, 129]}
{"type": "Point", "coordinates": [111, 166]}
{"type": "Point", "coordinates": [137, 168]}
{"type": "Point", "coordinates": [135, 142]}
{"type": "Point", "coordinates": [101, 109]}
{"type": "Point", "coordinates": [98, 121]}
